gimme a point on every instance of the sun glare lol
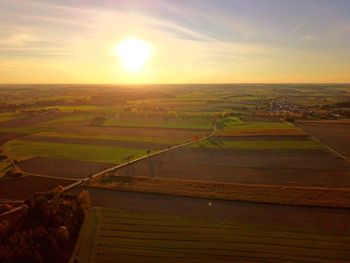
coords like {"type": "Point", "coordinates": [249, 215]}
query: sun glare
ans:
{"type": "Point", "coordinates": [133, 53]}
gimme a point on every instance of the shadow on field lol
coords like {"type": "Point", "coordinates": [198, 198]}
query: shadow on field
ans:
{"type": "Point", "coordinates": [211, 143]}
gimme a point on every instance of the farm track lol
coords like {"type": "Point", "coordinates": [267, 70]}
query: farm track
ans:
{"type": "Point", "coordinates": [334, 135]}
{"type": "Point", "coordinates": [173, 148]}
{"type": "Point", "coordinates": [331, 149]}
{"type": "Point", "coordinates": [78, 182]}
{"type": "Point", "coordinates": [49, 176]}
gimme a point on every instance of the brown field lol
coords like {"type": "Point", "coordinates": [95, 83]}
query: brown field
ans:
{"type": "Point", "coordinates": [284, 195]}
{"type": "Point", "coordinates": [64, 168]}
{"type": "Point", "coordinates": [335, 135]}
{"type": "Point", "coordinates": [222, 210]}
{"type": "Point", "coordinates": [156, 238]}
{"type": "Point", "coordinates": [88, 141]}
{"type": "Point", "coordinates": [280, 167]}
{"type": "Point", "coordinates": [341, 121]}
{"type": "Point", "coordinates": [262, 126]}
{"type": "Point", "coordinates": [262, 132]}
{"type": "Point", "coordinates": [261, 119]}
{"type": "Point", "coordinates": [5, 137]}
{"type": "Point", "coordinates": [20, 188]}
{"type": "Point", "coordinates": [31, 120]}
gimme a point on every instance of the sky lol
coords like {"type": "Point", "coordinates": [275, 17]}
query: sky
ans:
{"type": "Point", "coordinates": [192, 41]}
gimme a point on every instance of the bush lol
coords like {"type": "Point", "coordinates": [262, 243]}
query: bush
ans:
{"type": "Point", "coordinates": [45, 230]}
{"type": "Point", "coordinates": [290, 119]}
{"type": "Point", "coordinates": [2, 156]}
{"type": "Point", "coordinates": [14, 173]}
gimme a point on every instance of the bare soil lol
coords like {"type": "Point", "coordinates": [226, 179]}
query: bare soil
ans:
{"type": "Point", "coordinates": [31, 120]}
{"type": "Point", "coordinates": [335, 135]}
{"type": "Point", "coordinates": [266, 132]}
{"type": "Point", "coordinates": [20, 188]}
{"type": "Point", "coordinates": [287, 167]}
{"type": "Point", "coordinates": [222, 210]}
{"type": "Point", "coordinates": [64, 168]}
{"type": "Point", "coordinates": [5, 137]}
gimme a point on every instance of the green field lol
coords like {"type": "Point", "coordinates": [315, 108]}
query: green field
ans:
{"type": "Point", "coordinates": [26, 149]}
{"type": "Point", "coordinates": [9, 116]}
{"type": "Point", "coordinates": [237, 124]}
{"type": "Point", "coordinates": [4, 167]}
{"type": "Point", "coordinates": [79, 108]}
{"type": "Point", "coordinates": [143, 237]}
{"type": "Point", "coordinates": [26, 130]}
{"type": "Point", "coordinates": [100, 136]}
{"type": "Point", "coordinates": [72, 118]}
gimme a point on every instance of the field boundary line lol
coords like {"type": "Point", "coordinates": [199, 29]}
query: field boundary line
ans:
{"type": "Point", "coordinates": [49, 176]}
{"type": "Point", "coordinates": [331, 149]}
{"type": "Point", "coordinates": [85, 233]}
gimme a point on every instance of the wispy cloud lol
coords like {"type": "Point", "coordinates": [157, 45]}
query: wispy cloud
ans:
{"type": "Point", "coordinates": [190, 38]}
{"type": "Point", "coordinates": [299, 27]}
{"type": "Point", "coordinates": [309, 38]}
{"type": "Point", "coordinates": [17, 39]}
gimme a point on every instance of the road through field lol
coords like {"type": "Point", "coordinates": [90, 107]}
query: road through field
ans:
{"type": "Point", "coordinates": [150, 155]}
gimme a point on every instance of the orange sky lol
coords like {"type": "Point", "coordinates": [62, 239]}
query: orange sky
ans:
{"type": "Point", "coordinates": [192, 41]}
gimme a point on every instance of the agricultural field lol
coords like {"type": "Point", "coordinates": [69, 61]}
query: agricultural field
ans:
{"type": "Point", "coordinates": [269, 178]}
{"type": "Point", "coordinates": [259, 127]}
{"type": "Point", "coordinates": [21, 150]}
{"type": "Point", "coordinates": [188, 229]}
{"type": "Point", "coordinates": [101, 129]}
{"type": "Point", "coordinates": [68, 169]}
{"type": "Point", "coordinates": [335, 134]}
{"type": "Point", "coordinates": [249, 160]}
{"type": "Point", "coordinates": [8, 116]}
{"type": "Point", "coordinates": [20, 188]}
{"type": "Point", "coordinates": [189, 124]}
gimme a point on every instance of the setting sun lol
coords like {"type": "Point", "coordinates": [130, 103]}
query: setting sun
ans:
{"type": "Point", "coordinates": [133, 53]}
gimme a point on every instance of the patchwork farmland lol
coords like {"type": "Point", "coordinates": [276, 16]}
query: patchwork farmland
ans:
{"type": "Point", "coordinates": [269, 179]}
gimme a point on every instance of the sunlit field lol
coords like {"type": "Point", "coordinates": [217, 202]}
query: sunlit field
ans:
{"type": "Point", "coordinates": [174, 131]}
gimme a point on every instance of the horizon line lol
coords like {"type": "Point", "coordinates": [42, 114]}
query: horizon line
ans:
{"type": "Point", "coordinates": [184, 83]}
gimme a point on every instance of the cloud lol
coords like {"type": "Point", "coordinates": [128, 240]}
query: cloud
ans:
{"type": "Point", "coordinates": [309, 38]}
{"type": "Point", "coordinates": [302, 32]}
{"type": "Point", "coordinates": [17, 39]}
{"type": "Point", "coordinates": [207, 23]}
{"type": "Point", "coordinates": [299, 27]}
